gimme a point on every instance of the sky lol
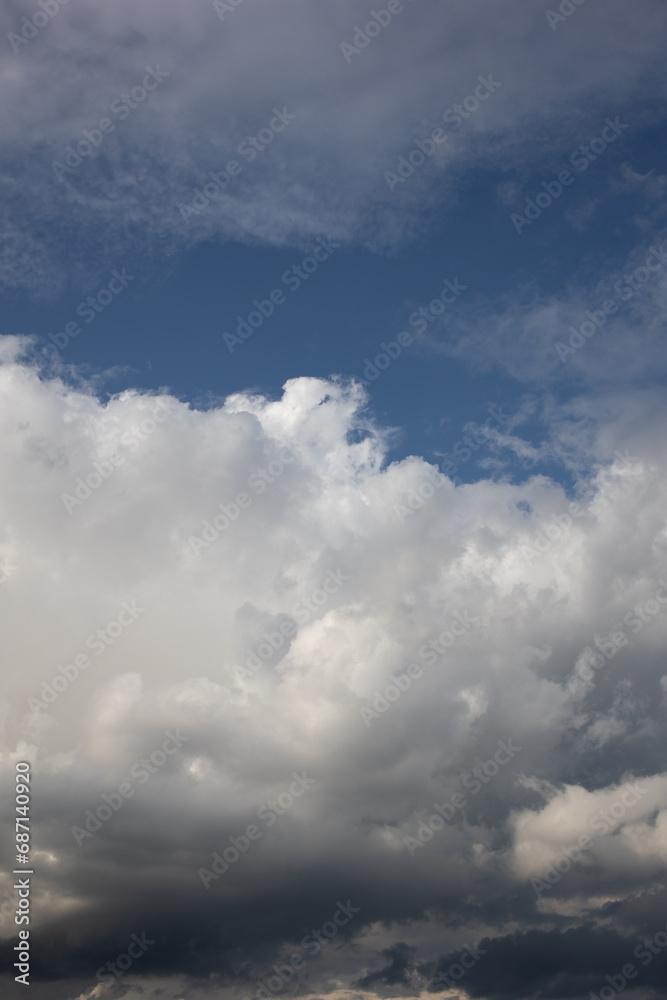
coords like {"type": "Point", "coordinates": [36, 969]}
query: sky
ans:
{"type": "Point", "coordinates": [333, 585]}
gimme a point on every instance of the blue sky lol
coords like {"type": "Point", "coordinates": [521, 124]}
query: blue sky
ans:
{"type": "Point", "coordinates": [166, 329]}
{"type": "Point", "coordinates": [333, 556]}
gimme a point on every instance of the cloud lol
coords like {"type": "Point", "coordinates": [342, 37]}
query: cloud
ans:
{"type": "Point", "coordinates": [195, 539]}
{"type": "Point", "coordinates": [553, 963]}
{"type": "Point", "coordinates": [322, 174]}
{"type": "Point", "coordinates": [630, 814]}
{"type": "Point", "coordinates": [566, 339]}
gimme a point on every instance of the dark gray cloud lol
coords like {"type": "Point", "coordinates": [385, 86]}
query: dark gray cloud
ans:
{"type": "Point", "coordinates": [557, 963]}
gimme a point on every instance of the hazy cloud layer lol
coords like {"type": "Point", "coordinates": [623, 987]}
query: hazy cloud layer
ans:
{"type": "Point", "coordinates": [221, 79]}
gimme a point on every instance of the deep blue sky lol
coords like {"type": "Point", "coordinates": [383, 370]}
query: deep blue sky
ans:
{"type": "Point", "coordinates": [166, 328]}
